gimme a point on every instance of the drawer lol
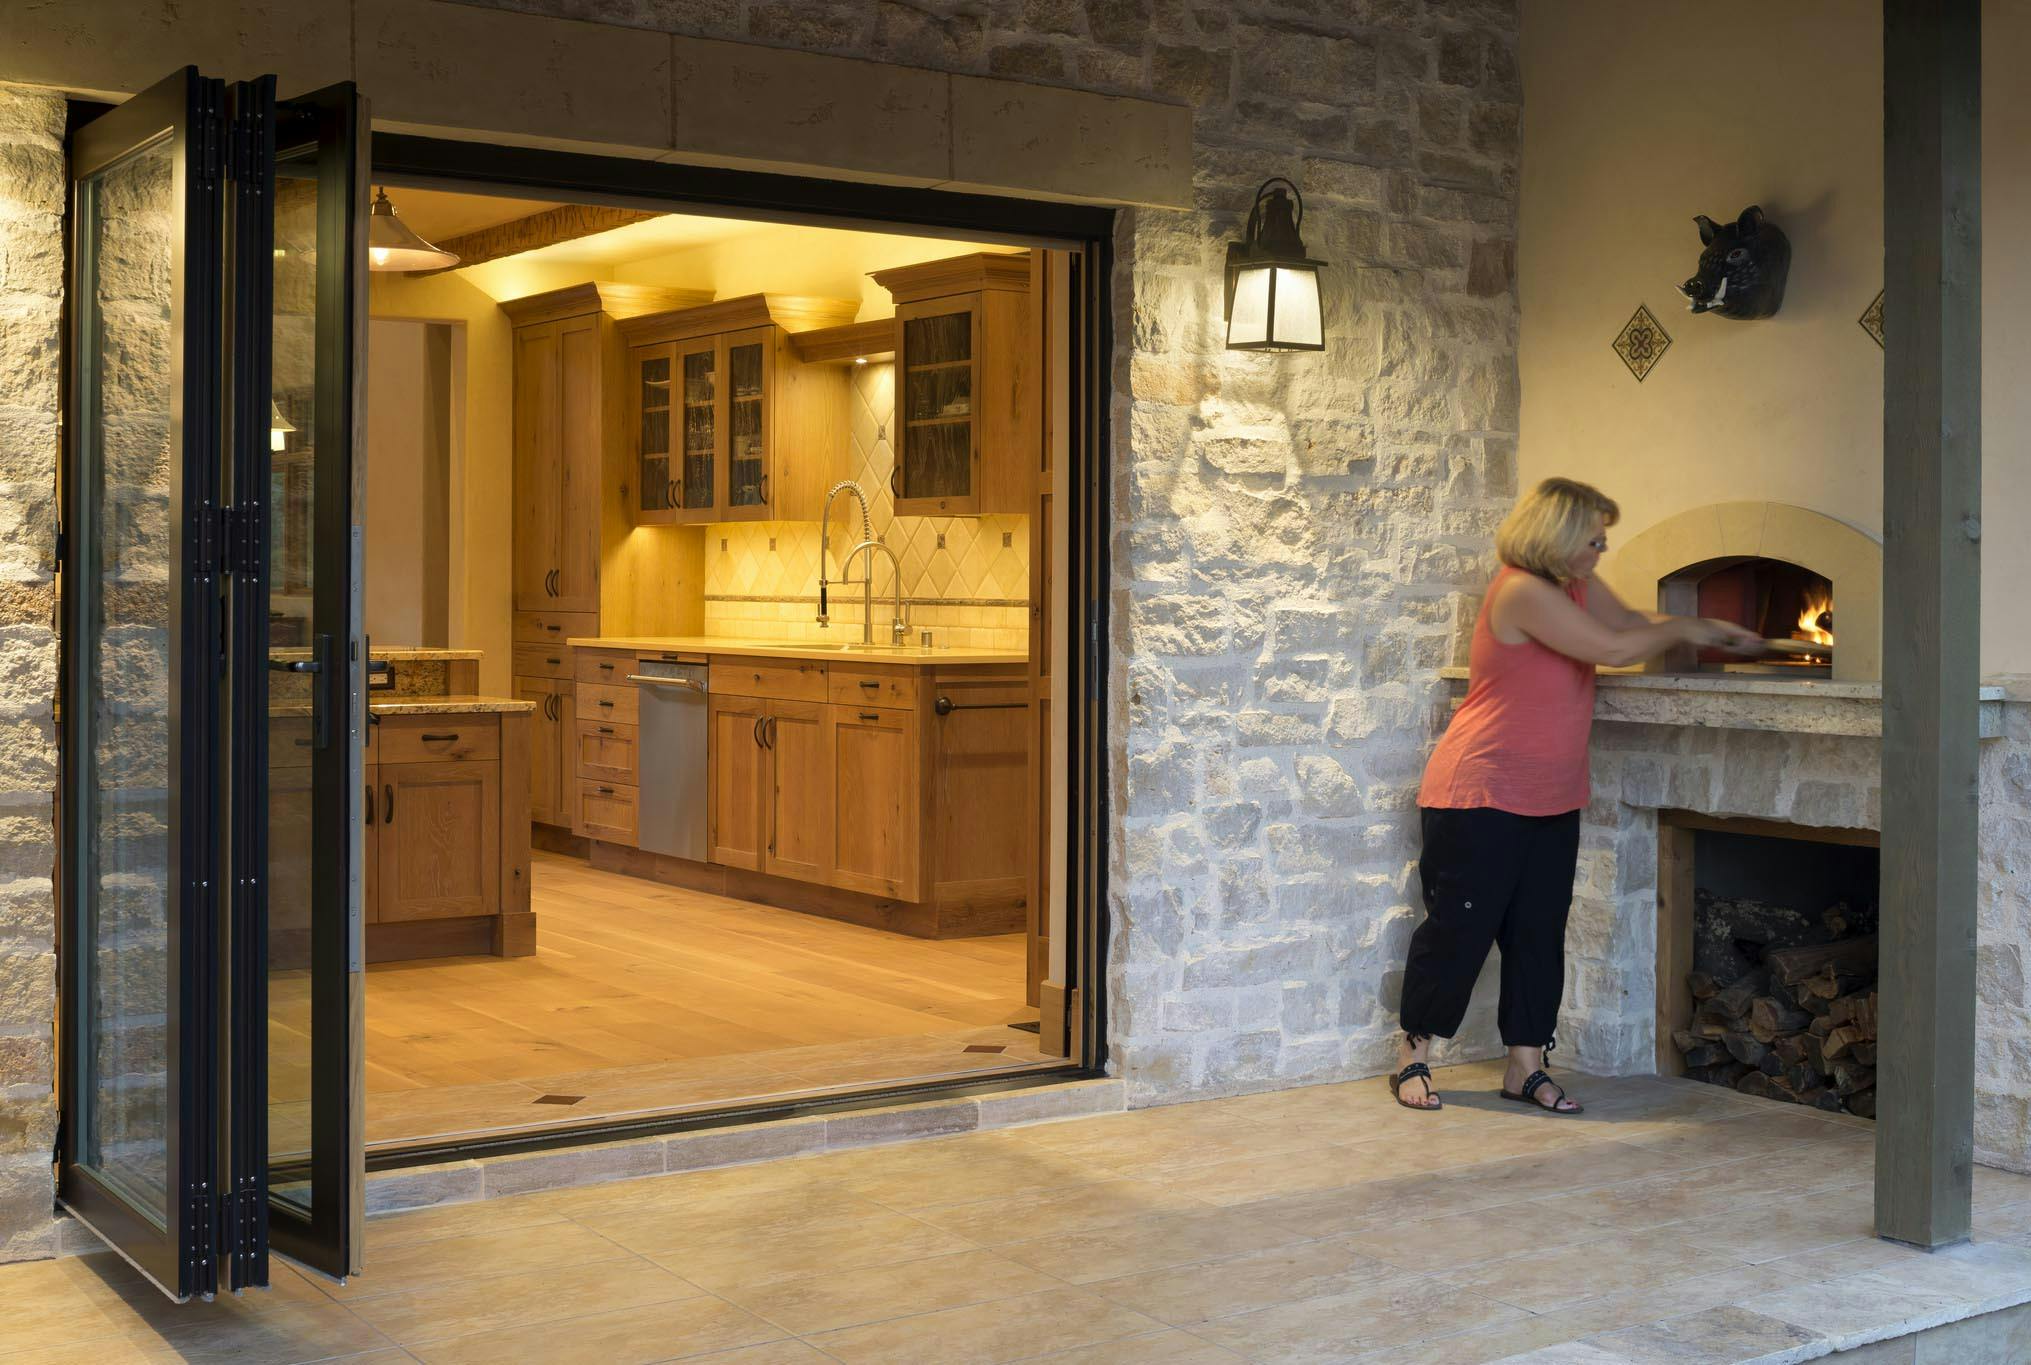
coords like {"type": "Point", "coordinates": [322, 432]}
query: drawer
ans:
{"type": "Point", "coordinates": [616, 705]}
{"type": "Point", "coordinates": [605, 665]}
{"type": "Point", "coordinates": [607, 753]}
{"type": "Point", "coordinates": [606, 810]}
{"type": "Point", "coordinates": [542, 661]}
{"type": "Point", "coordinates": [871, 687]}
{"type": "Point", "coordinates": [554, 627]}
{"type": "Point", "coordinates": [736, 677]}
{"type": "Point", "coordinates": [433, 739]}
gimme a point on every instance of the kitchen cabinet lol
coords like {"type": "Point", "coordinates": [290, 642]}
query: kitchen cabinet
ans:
{"type": "Point", "coordinates": [573, 481]}
{"type": "Point", "coordinates": [728, 423]}
{"type": "Point", "coordinates": [877, 791]}
{"type": "Point", "coordinates": [969, 390]}
{"type": "Point", "coordinates": [736, 781]}
{"type": "Point", "coordinates": [797, 743]}
{"type": "Point", "coordinates": [446, 834]}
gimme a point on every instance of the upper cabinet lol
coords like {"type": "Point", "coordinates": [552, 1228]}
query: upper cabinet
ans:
{"type": "Point", "coordinates": [571, 447]}
{"type": "Point", "coordinates": [968, 385]}
{"type": "Point", "coordinates": [729, 424]}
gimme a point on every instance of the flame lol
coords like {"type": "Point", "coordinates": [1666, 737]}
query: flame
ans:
{"type": "Point", "coordinates": [1817, 604]}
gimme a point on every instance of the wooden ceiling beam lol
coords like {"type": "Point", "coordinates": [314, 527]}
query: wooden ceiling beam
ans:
{"type": "Point", "coordinates": [565, 223]}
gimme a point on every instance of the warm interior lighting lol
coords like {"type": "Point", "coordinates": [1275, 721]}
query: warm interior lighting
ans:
{"type": "Point", "coordinates": [278, 427]}
{"type": "Point", "coordinates": [1816, 619]}
{"type": "Point", "coordinates": [1272, 285]}
{"type": "Point", "coordinates": [393, 245]}
{"type": "Point", "coordinates": [860, 360]}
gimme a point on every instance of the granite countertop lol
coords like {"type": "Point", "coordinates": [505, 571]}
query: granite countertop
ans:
{"type": "Point", "coordinates": [795, 649]}
{"type": "Point", "coordinates": [459, 705]}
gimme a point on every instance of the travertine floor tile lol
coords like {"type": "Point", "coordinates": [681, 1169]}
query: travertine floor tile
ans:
{"type": "Point", "coordinates": [1188, 1295]}
{"type": "Point", "coordinates": [849, 1298]}
{"type": "Point", "coordinates": [1162, 1348]}
{"type": "Point", "coordinates": [1556, 1279]}
{"type": "Point", "coordinates": [814, 1249]}
{"type": "Point", "coordinates": [631, 1336]}
{"type": "Point", "coordinates": [1025, 1217]}
{"type": "Point", "coordinates": [1718, 1334]}
{"type": "Point", "coordinates": [984, 1334]}
{"type": "Point", "coordinates": [495, 1302]}
{"type": "Point", "coordinates": [1465, 1239]}
{"type": "Point", "coordinates": [450, 1259]}
{"type": "Point", "coordinates": [1361, 1321]}
{"type": "Point", "coordinates": [1150, 1244]}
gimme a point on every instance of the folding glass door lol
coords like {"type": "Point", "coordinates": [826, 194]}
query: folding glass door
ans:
{"type": "Point", "coordinates": [170, 855]}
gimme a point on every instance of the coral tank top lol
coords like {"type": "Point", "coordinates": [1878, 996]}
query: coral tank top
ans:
{"type": "Point", "coordinates": [1518, 743]}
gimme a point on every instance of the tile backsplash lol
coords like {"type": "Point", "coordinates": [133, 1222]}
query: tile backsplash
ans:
{"type": "Point", "coordinates": [966, 579]}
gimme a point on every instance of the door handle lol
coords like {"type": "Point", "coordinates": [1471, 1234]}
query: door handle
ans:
{"type": "Point", "coordinates": [388, 812]}
{"type": "Point", "coordinates": [758, 732]}
{"type": "Point", "coordinates": [370, 803]}
{"type": "Point", "coordinates": [895, 477]}
{"type": "Point", "coordinates": [769, 732]}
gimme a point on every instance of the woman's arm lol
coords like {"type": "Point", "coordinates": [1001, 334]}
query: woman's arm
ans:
{"type": "Point", "coordinates": [1531, 607]}
{"type": "Point", "coordinates": [1604, 606]}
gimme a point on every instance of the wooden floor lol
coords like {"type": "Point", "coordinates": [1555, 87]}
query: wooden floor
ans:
{"type": "Point", "coordinates": [643, 997]}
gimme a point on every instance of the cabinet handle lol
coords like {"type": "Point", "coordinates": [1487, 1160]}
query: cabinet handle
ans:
{"type": "Point", "coordinates": [765, 488]}
{"type": "Point", "coordinates": [607, 704]}
{"type": "Point", "coordinates": [895, 475]}
{"type": "Point", "coordinates": [553, 629]}
{"type": "Point", "coordinates": [769, 731]}
{"type": "Point", "coordinates": [870, 715]}
{"type": "Point", "coordinates": [870, 684]}
{"type": "Point", "coordinates": [670, 494]}
{"type": "Point", "coordinates": [370, 803]}
{"type": "Point", "coordinates": [607, 668]}
{"type": "Point", "coordinates": [606, 729]}
{"type": "Point", "coordinates": [552, 705]}
{"type": "Point", "coordinates": [388, 795]}
{"type": "Point", "coordinates": [451, 738]}
{"type": "Point", "coordinates": [758, 731]}
{"type": "Point", "coordinates": [604, 791]}
{"type": "Point", "coordinates": [553, 662]}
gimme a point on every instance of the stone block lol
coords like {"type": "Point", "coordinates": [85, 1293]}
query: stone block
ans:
{"type": "Point", "coordinates": [1299, 65]}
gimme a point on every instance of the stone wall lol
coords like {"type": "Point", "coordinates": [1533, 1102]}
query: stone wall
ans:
{"type": "Point", "coordinates": [1296, 536]}
{"type": "Point", "coordinates": [31, 280]}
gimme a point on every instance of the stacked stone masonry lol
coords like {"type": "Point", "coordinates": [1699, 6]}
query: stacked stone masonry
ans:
{"type": "Point", "coordinates": [32, 184]}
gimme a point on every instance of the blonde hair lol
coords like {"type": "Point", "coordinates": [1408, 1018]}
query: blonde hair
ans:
{"type": "Point", "coordinates": [1550, 525]}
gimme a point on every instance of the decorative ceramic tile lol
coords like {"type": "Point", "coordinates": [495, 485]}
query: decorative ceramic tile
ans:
{"type": "Point", "coordinates": [1641, 343]}
{"type": "Point", "coordinates": [1872, 318]}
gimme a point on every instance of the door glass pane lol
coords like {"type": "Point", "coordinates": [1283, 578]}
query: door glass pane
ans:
{"type": "Point", "coordinates": [744, 435]}
{"type": "Point", "coordinates": [657, 486]}
{"type": "Point", "coordinates": [292, 503]}
{"type": "Point", "coordinates": [701, 388]}
{"type": "Point", "coordinates": [127, 542]}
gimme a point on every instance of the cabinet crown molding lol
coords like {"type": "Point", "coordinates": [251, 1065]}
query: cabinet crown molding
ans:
{"type": "Point", "coordinates": [600, 296]}
{"type": "Point", "coordinates": [790, 312]}
{"type": "Point", "coordinates": [968, 274]}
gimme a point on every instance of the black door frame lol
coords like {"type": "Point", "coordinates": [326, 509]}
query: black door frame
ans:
{"type": "Point", "coordinates": [527, 172]}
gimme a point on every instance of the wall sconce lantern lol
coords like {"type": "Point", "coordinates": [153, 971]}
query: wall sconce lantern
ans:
{"type": "Point", "coordinates": [1272, 285]}
{"type": "Point", "coordinates": [278, 427]}
{"type": "Point", "coordinates": [393, 245]}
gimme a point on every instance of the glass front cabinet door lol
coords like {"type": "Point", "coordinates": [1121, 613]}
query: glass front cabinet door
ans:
{"type": "Point", "coordinates": [680, 431]}
{"type": "Point", "coordinates": [968, 385]}
{"type": "Point", "coordinates": [750, 371]}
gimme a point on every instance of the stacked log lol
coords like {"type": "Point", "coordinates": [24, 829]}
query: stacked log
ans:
{"type": "Point", "coordinates": [1800, 1026]}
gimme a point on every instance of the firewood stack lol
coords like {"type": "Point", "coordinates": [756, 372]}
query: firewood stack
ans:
{"type": "Point", "coordinates": [1798, 1026]}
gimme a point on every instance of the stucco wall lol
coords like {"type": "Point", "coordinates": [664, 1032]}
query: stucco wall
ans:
{"type": "Point", "coordinates": [1641, 117]}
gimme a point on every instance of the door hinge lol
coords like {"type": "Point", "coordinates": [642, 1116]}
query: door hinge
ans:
{"type": "Point", "coordinates": [209, 534]}
{"type": "Point", "coordinates": [243, 1230]}
{"type": "Point", "coordinates": [248, 138]}
{"type": "Point", "coordinates": [240, 538]}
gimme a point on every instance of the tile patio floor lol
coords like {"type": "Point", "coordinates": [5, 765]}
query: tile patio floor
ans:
{"type": "Point", "coordinates": [1674, 1222]}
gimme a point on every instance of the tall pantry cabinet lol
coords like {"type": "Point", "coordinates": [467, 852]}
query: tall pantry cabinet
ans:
{"type": "Point", "coordinates": [575, 574]}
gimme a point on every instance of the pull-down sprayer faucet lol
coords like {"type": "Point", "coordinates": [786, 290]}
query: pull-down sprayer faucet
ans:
{"type": "Point", "coordinates": [898, 627]}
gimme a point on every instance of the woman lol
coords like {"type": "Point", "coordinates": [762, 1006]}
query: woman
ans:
{"type": "Point", "coordinates": [1503, 791]}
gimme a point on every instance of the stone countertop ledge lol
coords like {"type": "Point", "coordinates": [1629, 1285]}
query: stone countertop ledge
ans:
{"type": "Point", "coordinates": [1754, 701]}
{"type": "Point", "coordinates": [396, 653]}
{"type": "Point", "coordinates": [801, 649]}
{"type": "Point", "coordinates": [457, 705]}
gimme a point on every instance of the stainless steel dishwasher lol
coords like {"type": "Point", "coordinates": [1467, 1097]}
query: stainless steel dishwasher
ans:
{"type": "Point", "coordinates": [672, 805]}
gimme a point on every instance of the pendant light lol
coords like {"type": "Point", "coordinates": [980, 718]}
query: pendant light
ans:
{"type": "Point", "coordinates": [393, 245]}
{"type": "Point", "coordinates": [1272, 285]}
{"type": "Point", "coordinates": [278, 427]}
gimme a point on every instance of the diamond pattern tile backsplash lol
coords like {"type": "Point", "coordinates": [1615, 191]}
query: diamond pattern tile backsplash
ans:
{"type": "Point", "coordinates": [972, 590]}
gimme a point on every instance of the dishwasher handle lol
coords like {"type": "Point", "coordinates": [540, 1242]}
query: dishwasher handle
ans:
{"type": "Point", "coordinates": [689, 684]}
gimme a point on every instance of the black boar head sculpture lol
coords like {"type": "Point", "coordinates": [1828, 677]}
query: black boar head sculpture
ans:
{"type": "Point", "coordinates": [1742, 268]}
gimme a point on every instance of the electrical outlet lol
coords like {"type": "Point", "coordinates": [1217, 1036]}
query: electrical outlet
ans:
{"type": "Point", "coordinates": [941, 540]}
{"type": "Point", "coordinates": [772, 543]}
{"type": "Point", "coordinates": [722, 544]}
{"type": "Point", "coordinates": [1007, 539]}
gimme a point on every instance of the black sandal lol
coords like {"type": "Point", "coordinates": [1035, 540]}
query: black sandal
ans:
{"type": "Point", "coordinates": [1416, 1071]}
{"type": "Point", "coordinates": [1538, 1080]}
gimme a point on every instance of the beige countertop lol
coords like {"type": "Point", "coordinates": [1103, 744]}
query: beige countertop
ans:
{"type": "Point", "coordinates": [459, 705]}
{"type": "Point", "coordinates": [796, 649]}
{"type": "Point", "coordinates": [396, 653]}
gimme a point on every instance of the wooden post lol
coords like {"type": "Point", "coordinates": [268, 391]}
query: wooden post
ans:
{"type": "Point", "coordinates": [1931, 615]}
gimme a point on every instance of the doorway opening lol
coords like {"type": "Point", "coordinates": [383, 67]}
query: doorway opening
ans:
{"type": "Point", "coordinates": [752, 597]}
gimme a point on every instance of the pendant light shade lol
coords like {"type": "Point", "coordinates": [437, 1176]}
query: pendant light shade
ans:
{"type": "Point", "coordinates": [278, 427]}
{"type": "Point", "coordinates": [393, 245]}
{"type": "Point", "coordinates": [1272, 285]}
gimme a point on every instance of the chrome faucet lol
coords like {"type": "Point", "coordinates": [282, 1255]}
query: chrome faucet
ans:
{"type": "Point", "coordinates": [899, 626]}
{"type": "Point", "coordinates": [825, 544]}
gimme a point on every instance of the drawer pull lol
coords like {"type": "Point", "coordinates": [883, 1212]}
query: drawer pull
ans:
{"type": "Point", "coordinates": [870, 715]}
{"type": "Point", "coordinates": [553, 629]}
{"type": "Point", "coordinates": [553, 662]}
{"type": "Point", "coordinates": [607, 704]}
{"type": "Point", "coordinates": [606, 729]}
{"type": "Point", "coordinates": [870, 684]}
{"type": "Point", "coordinates": [604, 791]}
{"type": "Point", "coordinates": [606, 668]}
{"type": "Point", "coordinates": [451, 738]}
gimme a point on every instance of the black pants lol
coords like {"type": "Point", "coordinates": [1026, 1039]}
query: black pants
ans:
{"type": "Point", "coordinates": [1492, 878]}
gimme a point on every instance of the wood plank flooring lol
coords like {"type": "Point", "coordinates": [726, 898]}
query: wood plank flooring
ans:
{"type": "Point", "coordinates": [643, 997]}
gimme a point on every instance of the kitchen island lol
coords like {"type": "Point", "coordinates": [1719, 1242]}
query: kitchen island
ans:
{"type": "Point", "coordinates": [885, 786]}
